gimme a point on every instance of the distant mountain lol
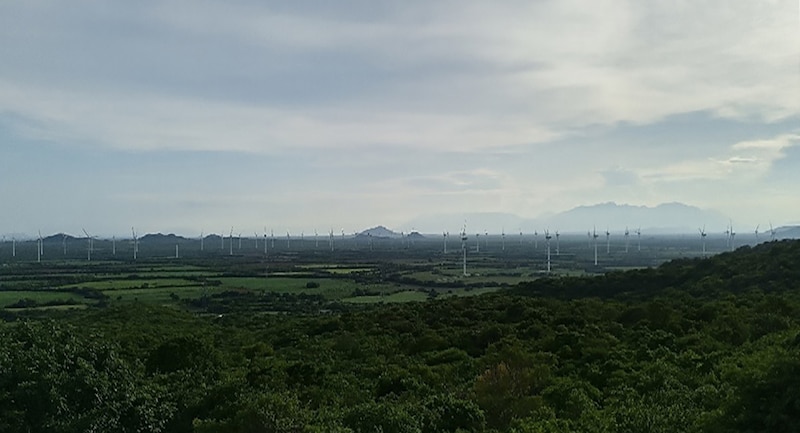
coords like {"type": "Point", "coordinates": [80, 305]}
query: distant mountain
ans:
{"type": "Point", "coordinates": [664, 218]}
{"type": "Point", "coordinates": [787, 232]}
{"type": "Point", "coordinates": [379, 232]}
{"type": "Point", "coordinates": [159, 237]}
{"type": "Point", "coordinates": [59, 237]}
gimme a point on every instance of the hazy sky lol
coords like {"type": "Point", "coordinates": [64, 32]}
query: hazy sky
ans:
{"type": "Point", "coordinates": [190, 115]}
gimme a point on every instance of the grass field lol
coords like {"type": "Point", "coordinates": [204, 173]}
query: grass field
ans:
{"type": "Point", "coordinates": [12, 296]}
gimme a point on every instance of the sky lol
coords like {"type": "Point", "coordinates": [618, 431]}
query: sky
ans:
{"type": "Point", "coordinates": [192, 116]}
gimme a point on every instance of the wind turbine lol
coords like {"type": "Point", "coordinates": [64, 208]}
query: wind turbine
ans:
{"type": "Point", "coordinates": [135, 243]}
{"type": "Point", "coordinates": [771, 232]}
{"type": "Point", "coordinates": [503, 239]}
{"type": "Point", "coordinates": [265, 240]}
{"type": "Point", "coordinates": [520, 237]}
{"type": "Point", "coordinates": [444, 235]}
{"type": "Point", "coordinates": [230, 241]}
{"type": "Point", "coordinates": [608, 241]}
{"type": "Point", "coordinates": [330, 239]}
{"type": "Point", "coordinates": [88, 246]}
{"type": "Point", "coordinates": [177, 255]}
{"type": "Point", "coordinates": [464, 247]}
{"type": "Point", "coordinates": [733, 236]}
{"type": "Point", "coordinates": [639, 238]}
{"type": "Point", "coordinates": [535, 239]}
{"type": "Point", "coordinates": [202, 239]}
{"type": "Point", "coordinates": [64, 242]}
{"type": "Point", "coordinates": [370, 240]}
{"type": "Point", "coordinates": [756, 231]}
{"type": "Point", "coordinates": [222, 240]}
{"type": "Point", "coordinates": [288, 239]}
{"type": "Point", "coordinates": [239, 237]}
{"type": "Point", "coordinates": [703, 235]}
{"type": "Point", "coordinates": [114, 246]}
{"type": "Point", "coordinates": [39, 248]}
{"type": "Point", "coordinates": [627, 239]}
{"type": "Point", "coordinates": [316, 239]}
{"type": "Point", "coordinates": [255, 238]}
{"type": "Point", "coordinates": [13, 246]}
{"type": "Point", "coordinates": [595, 236]}
{"type": "Point", "coordinates": [558, 243]}
{"type": "Point", "coordinates": [272, 238]}
{"type": "Point", "coordinates": [547, 238]}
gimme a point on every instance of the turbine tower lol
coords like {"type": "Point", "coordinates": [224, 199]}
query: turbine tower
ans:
{"type": "Point", "coordinates": [444, 235]}
{"type": "Point", "coordinates": [316, 239]}
{"type": "Point", "coordinates": [771, 232]}
{"type": "Point", "coordinates": [230, 241]}
{"type": "Point", "coordinates": [265, 240]}
{"type": "Point", "coordinates": [627, 239]}
{"type": "Point", "coordinates": [639, 238]}
{"type": "Point", "coordinates": [202, 239]}
{"type": "Point", "coordinates": [608, 241]}
{"type": "Point", "coordinates": [330, 239]}
{"type": "Point", "coordinates": [114, 246]}
{"type": "Point", "coordinates": [733, 236]}
{"type": "Point", "coordinates": [535, 239]}
{"type": "Point", "coordinates": [703, 235]}
{"type": "Point", "coordinates": [594, 237]}
{"type": "Point", "coordinates": [547, 238]}
{"type": "Point", "coordinates": [135, 243]}
{"type": "Point", "coordinates": [558, 243]}
{"type": "Point", "coordinates": [39, 248]}
{"type": "Point", "coordinates": [88, 246]}
{"type": "Point", "coordinates": [64, 242]}
{"type": "Point", "coordinates": [503, 239]}
{"type": "Point", "coordinates": [464, 248]}
{"type": "Point", "coordinates": [756, 231]}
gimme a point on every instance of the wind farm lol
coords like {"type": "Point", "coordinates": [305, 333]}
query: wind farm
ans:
{"type": "Point", "coordinates": [422, 265]}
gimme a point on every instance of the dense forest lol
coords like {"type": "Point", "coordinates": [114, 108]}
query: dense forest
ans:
{"type": "Point", "coordinates": [700, 345]}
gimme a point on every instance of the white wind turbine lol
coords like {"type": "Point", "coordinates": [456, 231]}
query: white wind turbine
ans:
{"type": "Point", "coordinates": [114, 246]}
{"type": "Point", "coordinates": [239, 237]}
{"type": "Point", "coordinates": [558, 243]}
{"type": "Point", "coordinates": [288, 239]}
{"type": "Point", "coordinates": [547, 238]}
{"type": "Point", "coordinates": [39, 248]}
{"type": "Point", "coordinates": [477, 242]}
{"type": "Point", "coordinates": [756, 231]}
{"type": "Point", "coordinates": [330, 239]}
{"type": "Point", "coordinates": [88, 246]}
{"type": "Point", "coordinates": [135, 243]}
{"type": "Point", "coordinates": [535, 239]}
{"type": "Point", "coordinates": [202, 240]}
{"type": "Point", "coordinates": [316, 239]}
{"type": "Point", "coordinates": [627, 239]}
{"type": "Point", "coordinates": [733, 238]}
{"type": "Point", "coordinates": [255, 239]}
{"type": "Point", "coordinates": [608, 241]}
{"type": "Point", "coordinates": [639, 238]}
{"type": "Point", "coordinates": [464, 248]}
{"type": "Point", "coordinates": [265, 240]}
{"type": "Point", "coordinates": [64, 242]}
{"type": "Point", "coordinates": [444, 236]}
{"type": "Point", "coordinates": [520, 237]}
{"type": "Point", "coordinates": [503, 239]}
{"type": "Point", "coordinates": [771, 232]}
{"type": "Point", "coordinates": [13, 246]}
{"type": "Point", "coordinates": [594, 237]}
{"type": "Point", "coordinates": [230, 241]}
{"type": "Point", "coordinates": [703, 235]}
